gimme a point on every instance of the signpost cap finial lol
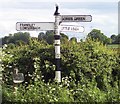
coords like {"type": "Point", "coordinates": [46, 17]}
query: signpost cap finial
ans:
{"type": "Point", "coordinates": [56, 11]}
{"type": "Point", "coordinates": [56, 4]}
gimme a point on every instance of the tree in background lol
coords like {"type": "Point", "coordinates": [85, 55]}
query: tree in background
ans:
{"type": "Point", "coordinates": [49, 37]}
{"type": "Point", "coordinates": [16, 38]}
{"type": "Point", "coordinates": [64, 38]}
{"type": "Point", "coordinates": [23, 38]}
{"type": "Point", "coordinates": [96, 34]}
{"type": "Point", "coordinates": [115, 39]}
{"type": "Point", "coordinates": [73, 40]}
{"type": "Point", "coordinates": [41, 36]}
{"type": "Point", "coordinates": [118, 39]}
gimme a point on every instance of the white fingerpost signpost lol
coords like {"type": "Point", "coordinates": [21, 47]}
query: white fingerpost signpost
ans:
{"type": "Point", "coordinates": [57, 27]}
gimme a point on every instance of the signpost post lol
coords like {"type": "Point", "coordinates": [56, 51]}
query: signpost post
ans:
{"type": "Point", "coordinates": [40, 26]}
{"type": "Point", "coordinates": [57, 45]}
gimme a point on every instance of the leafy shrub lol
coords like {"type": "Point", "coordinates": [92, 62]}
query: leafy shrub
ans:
{"type": "Point", "coordinates": [90, 72]}
{"type": "Point", "coordinates": [39, 92]}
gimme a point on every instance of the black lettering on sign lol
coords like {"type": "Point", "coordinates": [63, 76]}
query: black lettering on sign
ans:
{"type": "Point", "coordinates": [27, 26]}
{"type": "Point", "coordinates": [67, 18]}
{"type": "Point", "coordinates": [79, 18]}
{"type": "Point", "coordinates": [38, 27]}
{"type": "Point", "coordinates": [24, 28]}
{"type": "Point", "coordinates": [64, 28]}
{"type": "Point", "coordinates": [68, 28]}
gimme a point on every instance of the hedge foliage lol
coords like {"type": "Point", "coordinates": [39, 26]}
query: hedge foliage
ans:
{"type": "Point", "coordinates": [90, 73]}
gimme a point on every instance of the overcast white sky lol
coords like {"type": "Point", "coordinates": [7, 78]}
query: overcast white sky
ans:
{"type": "Point", "coordinates": [104, 14]}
